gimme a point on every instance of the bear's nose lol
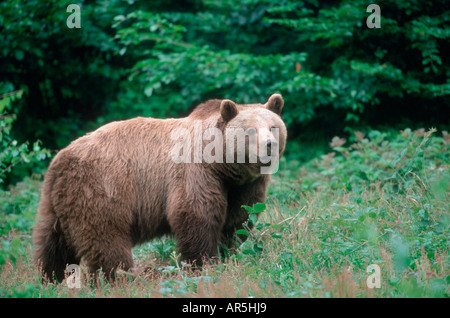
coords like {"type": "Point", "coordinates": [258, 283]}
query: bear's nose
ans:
{"type": "Point", "coordinates": [270, 145]}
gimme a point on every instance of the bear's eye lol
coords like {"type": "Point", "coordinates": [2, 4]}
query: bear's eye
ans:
{"type": "Point", "coordinates": [273, 127]}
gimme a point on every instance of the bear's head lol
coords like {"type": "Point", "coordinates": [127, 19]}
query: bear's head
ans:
{"type": "Point", "coordinates": [254, 134]}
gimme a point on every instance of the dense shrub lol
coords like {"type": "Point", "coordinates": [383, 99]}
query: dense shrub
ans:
{"type": "Point", "coordinates": [12, 153]}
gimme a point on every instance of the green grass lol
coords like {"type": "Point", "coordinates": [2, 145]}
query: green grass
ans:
{"type": "Point", "coordinates": [377, 199]}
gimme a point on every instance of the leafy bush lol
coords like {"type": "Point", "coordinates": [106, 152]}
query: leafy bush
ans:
{"type": "Point", "coordinates": [18, 207]}
{"type": "Point", "coordinates": [11, 152]}
{"type": "Point", "coordinates": [68, 75]}
{"type": "Point", "coordinates": [396, 162]}
{"type": "Point", "coordinates": [314, 54]}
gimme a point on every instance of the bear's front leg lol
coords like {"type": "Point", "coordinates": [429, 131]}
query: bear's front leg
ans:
{"type": "Point", "coordinates": [197, 231]}
{"type": "Point", "coordinates": [247, 194]}
{"type": "Point", "coordinates": [196, 217]}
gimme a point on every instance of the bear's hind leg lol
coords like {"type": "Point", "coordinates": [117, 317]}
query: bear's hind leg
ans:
{"type": "Point", "coordinates": [109, 255]}
{"type": "Point", "coordinates": [51, 251]}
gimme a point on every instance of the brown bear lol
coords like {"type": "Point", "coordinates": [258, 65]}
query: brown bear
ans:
{"type": "Point", "coordinates": [133, 180]}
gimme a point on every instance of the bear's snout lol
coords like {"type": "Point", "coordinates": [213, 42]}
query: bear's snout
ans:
{"type": "Point", "coordinates": [271, 145]}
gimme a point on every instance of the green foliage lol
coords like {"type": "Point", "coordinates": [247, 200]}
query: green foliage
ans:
{"type": "Point", "coordinates": [18, 207]}
{"type": "Point", "coordinates": [382, 200]}
{"type": "Point", "coordinates": [315, 55]}
{"type": "Point", "coordinates": [253, 244]}
{"type": "Point", "coordinates": [395, 163]}
{"type": "Point", "coordinates": [11, 152]}
{"type": "Point", "coordinates": [66, 74]}
{"type": "Point", "coordinates": [163, 248]}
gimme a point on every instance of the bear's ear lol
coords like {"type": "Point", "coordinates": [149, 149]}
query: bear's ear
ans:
{"type": "Point", "coordinates": [275, 103]}
{"type": "Point", "coordinates": [228, 110]}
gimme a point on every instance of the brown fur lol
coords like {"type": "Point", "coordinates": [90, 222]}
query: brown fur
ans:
{"type": "Point", "coordinates": [116, 187]}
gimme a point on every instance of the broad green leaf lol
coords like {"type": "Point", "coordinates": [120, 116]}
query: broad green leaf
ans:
{"type": "Point", "coordinates": [253, 218]}
{"type": "Point", "coordinates": [242, 232]}
{"type": "Point", "coordinates": [258, 207]}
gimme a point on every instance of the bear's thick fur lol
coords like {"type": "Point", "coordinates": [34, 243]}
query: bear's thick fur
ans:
{"type": "Point", "coordinates": [118, 186]}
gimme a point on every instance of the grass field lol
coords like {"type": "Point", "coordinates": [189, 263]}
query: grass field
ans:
{"type": "Point", "coordinates": [377, 199]}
